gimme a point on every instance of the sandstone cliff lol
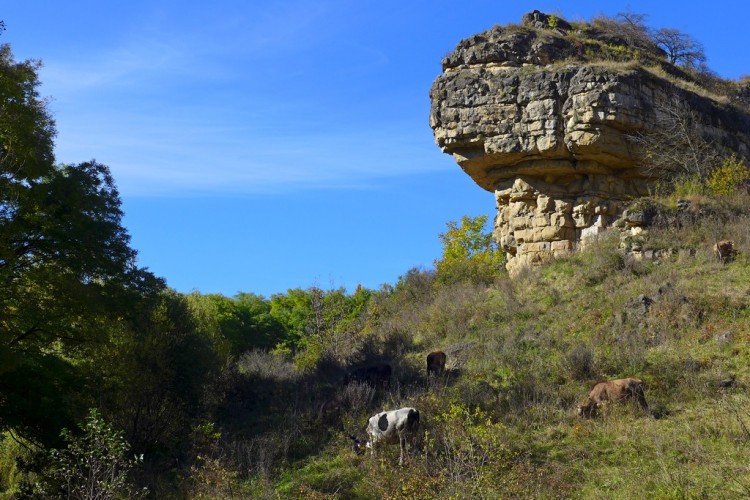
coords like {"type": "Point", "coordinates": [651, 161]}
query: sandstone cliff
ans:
{"type": "Point", "coordinates": [544, 117]}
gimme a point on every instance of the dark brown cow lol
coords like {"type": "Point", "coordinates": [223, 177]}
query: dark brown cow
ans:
{"type": "Point", "coordinates": [724, 250]}
{"type": "Point", "coordinates": [435, 363]}
{"type": "Point", "coordinates": [620, 390]}
{"type": "Point", "coordinates": [373, 375]}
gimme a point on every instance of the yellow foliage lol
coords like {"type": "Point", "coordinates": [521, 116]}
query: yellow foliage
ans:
{"type": "Point", "coordinates": [726, 179]}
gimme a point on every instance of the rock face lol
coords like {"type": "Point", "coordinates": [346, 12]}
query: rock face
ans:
{"type": "Point", "coordinates": [551, 138]}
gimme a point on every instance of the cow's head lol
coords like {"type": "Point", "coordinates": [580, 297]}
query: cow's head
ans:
{"type": "Point", "coordinates": [586, 409]}
{"type": "Point", "coordinates": [357, 445]}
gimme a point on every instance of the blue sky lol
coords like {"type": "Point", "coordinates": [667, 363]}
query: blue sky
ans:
{"type": "Point", "coordinates": [262, 146]}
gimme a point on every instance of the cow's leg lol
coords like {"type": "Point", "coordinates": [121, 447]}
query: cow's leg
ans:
{"type": "Point", "coordinates": [641, 397]}
{"type": "Point", "coordinates": [402, 445]}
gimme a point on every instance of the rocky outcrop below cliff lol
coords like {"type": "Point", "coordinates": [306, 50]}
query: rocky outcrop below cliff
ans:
{"type": "Point", "coordinates": [532, 116]}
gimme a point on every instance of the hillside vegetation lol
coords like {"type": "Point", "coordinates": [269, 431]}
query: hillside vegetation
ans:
{"type": "Point", "coordinates": [523, 354]}
{"type": "Point", "coordinates": [112, 385]}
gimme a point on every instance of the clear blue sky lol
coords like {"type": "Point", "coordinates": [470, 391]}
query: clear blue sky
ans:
{"type": "Point", "coordinates": [266, 145]}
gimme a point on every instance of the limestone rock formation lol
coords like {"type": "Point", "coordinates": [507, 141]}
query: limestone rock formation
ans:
{"type": "Point", "coordinates": [535, 115]}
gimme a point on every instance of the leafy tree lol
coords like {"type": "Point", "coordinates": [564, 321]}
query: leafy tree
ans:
{"type": "Point", "coordinates": [416, 284]}
{"type": "Point", "coordinates": [243, 322]}
{"type": "Point", "coordinates": [68, 276]}
{"type": "Point", "coordinates": [67, 273]}
{"type": "Point", "coordinates": [26, 128]}
{"type": "Point", "coordinates": [153, 375]}
{"type": "Point", "coordinates": [469, 253]}
{"type": "Point", "coordinates": [294, 310]}
{"type": "Point", "coordinates": [63, 250]}
{"type": "Point", "coordinates": [321, 323]}
{"type": "Point", "coordinates": [66, 257]}
{"type": "Point", "coordinates": [255, 326]}
{"type": "Point", "coordinates": [204, 310]}
{"type": "Point", "coordinates": [41, 393]}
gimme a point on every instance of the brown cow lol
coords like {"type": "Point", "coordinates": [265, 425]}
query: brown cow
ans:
{"type": "Point", "coordinates": [436, 363]}
{"type": "Point", "coordinates": [619, 390]}
{"type": "Point", "coordinates": [724, 250]}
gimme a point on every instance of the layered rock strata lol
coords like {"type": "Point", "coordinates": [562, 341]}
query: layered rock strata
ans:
{"type": "Point", "coordinates": [551, 139]}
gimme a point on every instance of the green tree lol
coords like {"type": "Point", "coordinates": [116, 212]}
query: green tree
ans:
{"type": "Point", "coordinates": [67, 273]}
{"type": "Point", "coordinates": [469, 253]}
{"type": "Point", "coordinates": [154, 375]}
{"type": "Point", "coordinates": [68, 276]}
{"type": "Point", "coordinates": [321, 322]}
{"type": "Point", "coordinates": [294, 311]}
{"type": "Point", "coordinates": [239, 324]}
{"type": "Point", "coordinates": [252, 325]}
{"type": "Point", "coordinates": [66, 258]}
{"type": "Point", "coordinates": [27, 129]}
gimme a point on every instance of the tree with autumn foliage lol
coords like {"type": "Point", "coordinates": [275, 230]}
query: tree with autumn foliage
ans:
{"type": "Point", "coordinates": [470, 254]}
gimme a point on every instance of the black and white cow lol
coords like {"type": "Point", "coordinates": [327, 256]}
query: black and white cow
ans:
{"type": "Point", "coordinates": [391, 427]}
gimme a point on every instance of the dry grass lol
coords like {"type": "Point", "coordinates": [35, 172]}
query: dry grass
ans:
{"type": "Point", "coordinates": [690, 86]}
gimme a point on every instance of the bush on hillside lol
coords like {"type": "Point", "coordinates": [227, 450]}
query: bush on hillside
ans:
{"type": "Point", "coordinates": [727, 179]}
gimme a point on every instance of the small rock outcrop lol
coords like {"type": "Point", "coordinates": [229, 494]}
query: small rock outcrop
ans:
{"type": "Point", "coordinates": [532, 113]}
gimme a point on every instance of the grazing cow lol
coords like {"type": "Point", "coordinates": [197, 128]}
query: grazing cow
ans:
{"type": "Point", "coordinates": [374, 375]}
{"type": "Point", "coordinates": [390, 427]}
{"type": "Point", "coordinates": [724, 251]}
{"type": "Point", "coordinates": [619, 390]}
{"type": "Point", "coordinates": [435, 363]}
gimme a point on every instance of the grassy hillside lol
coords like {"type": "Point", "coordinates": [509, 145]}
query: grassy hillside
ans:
{"type": "Point", "coordinates": [523, 354]}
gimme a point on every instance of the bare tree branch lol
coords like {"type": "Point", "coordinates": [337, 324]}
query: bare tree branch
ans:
{"type": "Point", "coordinates": [680, 47]}
{"type": "Point", "coordinates": [675, 145]}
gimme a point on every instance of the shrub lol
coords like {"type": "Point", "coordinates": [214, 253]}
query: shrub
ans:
{"type": "Point", "coordinates": [470, 449]}
{"type": "Point", "coordinates": [266, 365]}
{"type": "Point", "coordinates": [95, 463]}
{"type": "Point", "coordinates": [581, 362]}
{"type": "Point", "coordinates": [727, 179]}
{"type": "Point", "coordinates": [686, 186]}
{"type": "Point", "coordinates": [11, 451]}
